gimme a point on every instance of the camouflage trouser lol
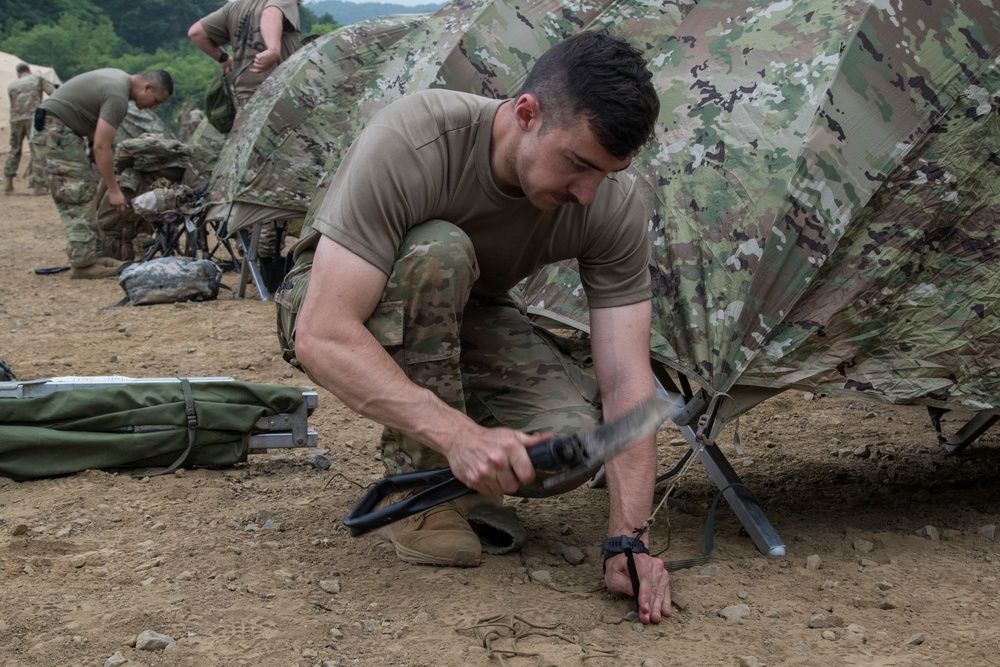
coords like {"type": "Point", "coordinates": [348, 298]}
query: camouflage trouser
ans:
{"type": "Point", "coordinates": [20, 130]}
{"type": "Point", "coordinates": [73, 184]}
{"type": "Point", "coordinates": [481, 356]}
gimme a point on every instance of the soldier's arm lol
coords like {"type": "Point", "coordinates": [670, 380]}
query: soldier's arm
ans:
{"type": "Point", "coordinates": [342, 356]}
{"type": "Point", "coordinates": [199, 36]}
{"type": "Point", "coordinates": [620, 346]}
{"type": "Point", "coordinates": [271, 26]}
{"type": "Point", "coordinates": [104, 159]}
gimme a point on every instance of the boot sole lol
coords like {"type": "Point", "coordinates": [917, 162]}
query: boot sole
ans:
{"type": "Point", "coordinates": [461, 558]}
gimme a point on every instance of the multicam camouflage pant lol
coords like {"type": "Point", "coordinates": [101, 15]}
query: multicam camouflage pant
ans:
{"type": "Point", "coordinates": [73, 184]}
{"type": "Point", "coordinates": [482, 356]}
{"type": "Point", "coordinates": [20, 130]}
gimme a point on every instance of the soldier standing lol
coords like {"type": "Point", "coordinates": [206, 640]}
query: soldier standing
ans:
{"type": "Point", "coordinates": [262, 35]}
{"type": "Point", "coordinates": [25, 95]}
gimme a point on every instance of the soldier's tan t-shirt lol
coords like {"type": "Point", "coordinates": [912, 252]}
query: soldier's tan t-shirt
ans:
{"type": "Point", "coordinates": [238, 24]}
{"type": "Point", "coordinates": [25, 94]}
{"type": "Point", "coordinates": [81, 101]}
{"type": "Point", "coordinates": [427, 157]}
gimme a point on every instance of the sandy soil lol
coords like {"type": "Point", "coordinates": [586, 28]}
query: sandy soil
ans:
{"type": "Point", "coordinates": [90, 561]}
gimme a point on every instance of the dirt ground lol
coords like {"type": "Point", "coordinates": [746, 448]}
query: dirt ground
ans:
{"type": "Point", "coordinates": [856, 489]}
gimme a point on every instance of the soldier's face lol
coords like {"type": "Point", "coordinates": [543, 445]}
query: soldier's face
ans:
{"type": "Point", "coordinates": [564, 165]}
{"type": "Point", "coordinates": [150, 97]}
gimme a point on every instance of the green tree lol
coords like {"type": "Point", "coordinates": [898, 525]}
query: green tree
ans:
{"type": "Point", "coordinates": [71, 46]}
{"type": "Point", "coordinates": [155, 24]}
{"type": "Point", "coordinates": [20, 15]}
{"type": "Point", "coordinates": [310, 24]}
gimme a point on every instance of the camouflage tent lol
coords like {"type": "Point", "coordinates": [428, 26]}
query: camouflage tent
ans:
{"type": "Point", "coordinates": [823, 201]}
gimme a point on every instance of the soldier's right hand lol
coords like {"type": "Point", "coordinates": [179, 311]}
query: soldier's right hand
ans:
{"type": "Point", "coordinates": [117, 200]}
{"type": "Point", "coordinates": [493, 460]}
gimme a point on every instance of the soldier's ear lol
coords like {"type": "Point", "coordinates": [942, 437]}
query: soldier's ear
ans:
{"type": "Point", "coordinates": [527, 111]}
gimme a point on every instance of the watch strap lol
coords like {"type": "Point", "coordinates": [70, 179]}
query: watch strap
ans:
{"type": "Point", "coordinates": [617, 545]}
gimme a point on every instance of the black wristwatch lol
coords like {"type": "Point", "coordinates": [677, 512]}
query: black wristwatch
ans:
{"type": "Point", "coordinates": [617, 545]}
{"type": "Point", "coordinates": [224, 56]}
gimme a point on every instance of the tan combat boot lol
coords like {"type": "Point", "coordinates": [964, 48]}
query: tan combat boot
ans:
{"type": "Point", "coordinates": [439, 536]}
{"type": "Point", "coordinates": [104, 267]}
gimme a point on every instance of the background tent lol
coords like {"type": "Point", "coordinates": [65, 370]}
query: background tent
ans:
{"type": "Point", "coordinates": [299, 123]}
{"type": "Point", "coordinates": [8, 73]}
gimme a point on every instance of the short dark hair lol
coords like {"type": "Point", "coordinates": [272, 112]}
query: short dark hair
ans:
{"type": "Point", "coordinates": [22, 68]}
{"type": "Point", "coordinates": [602, 78]}
{"type": "Point", "coordinates": [161, 79]}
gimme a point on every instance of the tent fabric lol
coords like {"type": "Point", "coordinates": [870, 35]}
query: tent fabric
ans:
{"type": "Point", "coordinates": [133, 425]}
{"type": "Point", "coordinates": [823, 201]}
{"type": "Point", "coordinates": [822, 191]}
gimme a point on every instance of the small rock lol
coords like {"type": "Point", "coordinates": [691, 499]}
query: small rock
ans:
{"type": "Point", "coordinates": [319, 460]}
{"type": "Point", "coordinates": [884, 586]}
{"type": "Point", "coordinates": [814, 562]}
{"type": "Point", "coordinates": [989, 531]}
{"type": "Point", "coordinates": [423, 617]}
{"type": "Point", "coordinates": [649, 662]}
{"type": "Point", "coordinates": [828, 585]}
{"type": "Point", "coordinates": [929, 533]}
{"type": "Point", "coordinates": [735, 612]}
{"type": "Point", "coordinates": [335, 633]}
{"type": "Point", "coordinates": [331, 586]}
{"type": "Point", "coordinates": [79, 561]}
{"type": "Point", "coordinates": [915, 640]}
{"type": "Point", "coordinates": [863, 546]}
{"type": "Point", "coordinates": [573, 555]}
{"type": "Point", "coordinates": [751, 661]}
{"type": "Point", "coordinates": [818, 621]}
{"type": "Point", "coordinates": [856, 634]}
{"type": "Point", "coordinates": [149, 640]}
{"type": "Point", "coordinates": [830, 635]}
{"type": "Point", "coordinates": [117, 660]}
{"type": "Point", "coordinates": [709, 571]}
{"type": "Point", "coordinates": [867, 562]}
{"type": "Point", "coordinates": [862, 451]}
{"type": "Point", "coordinates": [19, 529]}
{"type": "Point", "coordinates": [542, 576]}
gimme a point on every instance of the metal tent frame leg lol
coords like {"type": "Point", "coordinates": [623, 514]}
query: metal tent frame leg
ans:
{"type": "Point", "coordinates": [739, 497]}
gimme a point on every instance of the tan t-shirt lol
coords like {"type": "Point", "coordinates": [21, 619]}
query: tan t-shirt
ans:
{"type": "Point", "coordinates": [427, 157]}
{"type": "Point", "coordinates": [81, 101]}
{"type": "Point", "coordinates": [238, 24]}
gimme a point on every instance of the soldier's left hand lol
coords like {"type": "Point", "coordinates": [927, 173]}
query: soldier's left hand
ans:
{"type": "Point", "coordinates": [654, 584]}
{"type": "Point", "coordinates": [264, 61]}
